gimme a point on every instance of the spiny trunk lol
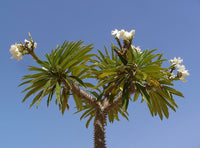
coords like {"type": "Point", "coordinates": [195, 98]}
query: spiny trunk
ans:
{"type": "Point", "coordinates": [99, 130]}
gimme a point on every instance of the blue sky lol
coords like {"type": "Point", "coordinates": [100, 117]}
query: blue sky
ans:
{"type": "Point", "coordinates": [172, 26]}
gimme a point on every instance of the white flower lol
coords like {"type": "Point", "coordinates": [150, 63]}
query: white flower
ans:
{"type": "Point", "coordinates": [128, 35]}
{"type": "Point", "coordinates": [136, 48]}
{"type": "Point", "coordinates": [181, 68]}
{"type": "Point", "coordinates": [26, 41]}
{"type": "Point", "coordinates": [29, 44]}
{"type": "Point", "coordinates": [122, 34]}
{"type": "Point", "coordinates": [35, 45]}
{"type": "Point", "coordinates": [132, 32]}
{"type": "Point", "coordinates": [183, 75]}
{"type": "Point", "coordinates": [15, 51]}
{"type": "Point", "coordinates": [114, 32]}
{"type": "Point", "coordinates": [172, 76]}
{"type": "Point", "coordinates": [176, 61]}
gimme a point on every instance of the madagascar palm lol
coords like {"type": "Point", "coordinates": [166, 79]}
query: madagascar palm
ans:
{"type": "Point", "coordinates": [121, 77]}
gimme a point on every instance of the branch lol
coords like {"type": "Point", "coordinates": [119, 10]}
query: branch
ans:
{"type": "Point", "coordinates": [117, 101]}
{"type": "Point", "coordinates": [82, 94]}
{"type": "Point", "coordinates": [110, 106]}
{"type": "Point", "coordinates": [119, 43]}
{"type": "Point", "coordinates": [38, 60]}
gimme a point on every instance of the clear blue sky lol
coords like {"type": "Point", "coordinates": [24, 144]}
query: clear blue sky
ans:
{"type": "Point", "coordinates": [172, 26]}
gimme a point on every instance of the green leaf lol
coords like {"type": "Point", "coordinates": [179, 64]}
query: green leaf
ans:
{"type": "Point", "coordinates": [94, 93]}
{"type": "Point", "coordinates": [164, 108]}
{"type": "Point", "coordinates": [89, 120]}
{"type": "Point", "coordinates": [32, 68]}
{"type": "Point", "coordinates": [111, 116]}
{"type": "Point", "coordinates": [79, 70]}
{"type": "Point", "coordinates": [136, 96]}
{"type": "Point", "coordinates": [68, 82]}
{"type": "Point", "coordinates": [107, 74]}
{"type": "Point", "coordinates": [100, 96]}
{"type": "Point", "coordinates": [72, 48]}
{"type": "Point", "coordinates": [125, 95]}
{"type": "Point", "coordinates": [78, 80]}
{"type": "Point", "coordinates": [150, 109]}
{"type": "Point", "coordinates": [77, 61]}
{"type": "Point", "coordinates": [143, 57]}
{"type": "Point", "coordinates": [150, 69]}
{"type": "Point", "coordinates": [165, 95]}
{"type": "Point", "coordinates": [166, 81]}
{"type": "Point", "coordinates": [159, 104]}
{"type": "Point", "coordinates": [78, 101]}
{"type": "Point", "coordinates": [102, 56]}
{"type": "Point", "coordinates": [36, 98]}
{"type": "Point", "coordinates": [144, 93]}
{"type": "Point", "coordinates": [65, 100]}
{"type": "Point", "coordinates": [158, 107]}
{"type": "Point", "coordinates": [173, 91]}
{"type": "Point", "coordinates": [32, 76]}
{"type": "Point", "coordinates": [106, 50]}
{"type": "Point", "coordinates": [124, 61]}
{"type": "Point", "coordinates": [103, 82]}
{"type": "Point", "coordinates": [122, 112]}
{"type": "Point", "coordinates": [31, 92]}
{"type": "Point", "coordinates": [43, 93]}
{"type": "Point", "coordinates": [87, 113]}
{"type": "Point", "coordinates": [34, 88]}
{"type": "Point", "coordinates": [90, 85]}
{"type": "Point", "coordinates": [26, 82]}
{"type": "Point", "coordinates": [40, 78]}
{"type": "Point", "coordinates": [51, 95]}
{"type": "Point", "coordinates": [58, 92]}
{"type": "Point", "coordinates": [58, 53]}
{"type": "Point", "coordinates": [116, 115]}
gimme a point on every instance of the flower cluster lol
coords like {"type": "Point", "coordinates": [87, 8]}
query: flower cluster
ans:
{"type": "Point", "coordinates": [122, 34]}
{"type": "Point", "coordinates": [136, 48]}
{"type": "Point", "coordinates": [176, 61]}
{"type": "Point", "coordinates": [182, 72]}
{"type": "Point", "coordinates": [18, 50]}
{"type": "Point", "coordinates": [30, 44]}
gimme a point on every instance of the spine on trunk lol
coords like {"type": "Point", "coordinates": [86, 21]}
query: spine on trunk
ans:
{"type": "Point", "coordinates": [99, 129]}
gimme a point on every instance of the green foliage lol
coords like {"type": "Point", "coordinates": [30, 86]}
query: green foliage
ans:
{"type": "Point", "coordinates": [89, 111]}
{"type": "Point", "coordinates": [63, 66]}
{"type": "Point", "coordinates": [138, 73]}
{"type": "Point", "coordinates": [113, 114]}
{"type": "Point", "coordinates": [123, 72]}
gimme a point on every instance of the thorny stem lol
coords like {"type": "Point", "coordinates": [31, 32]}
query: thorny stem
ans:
{"type": "Point", "coordinates": [99, 129]}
